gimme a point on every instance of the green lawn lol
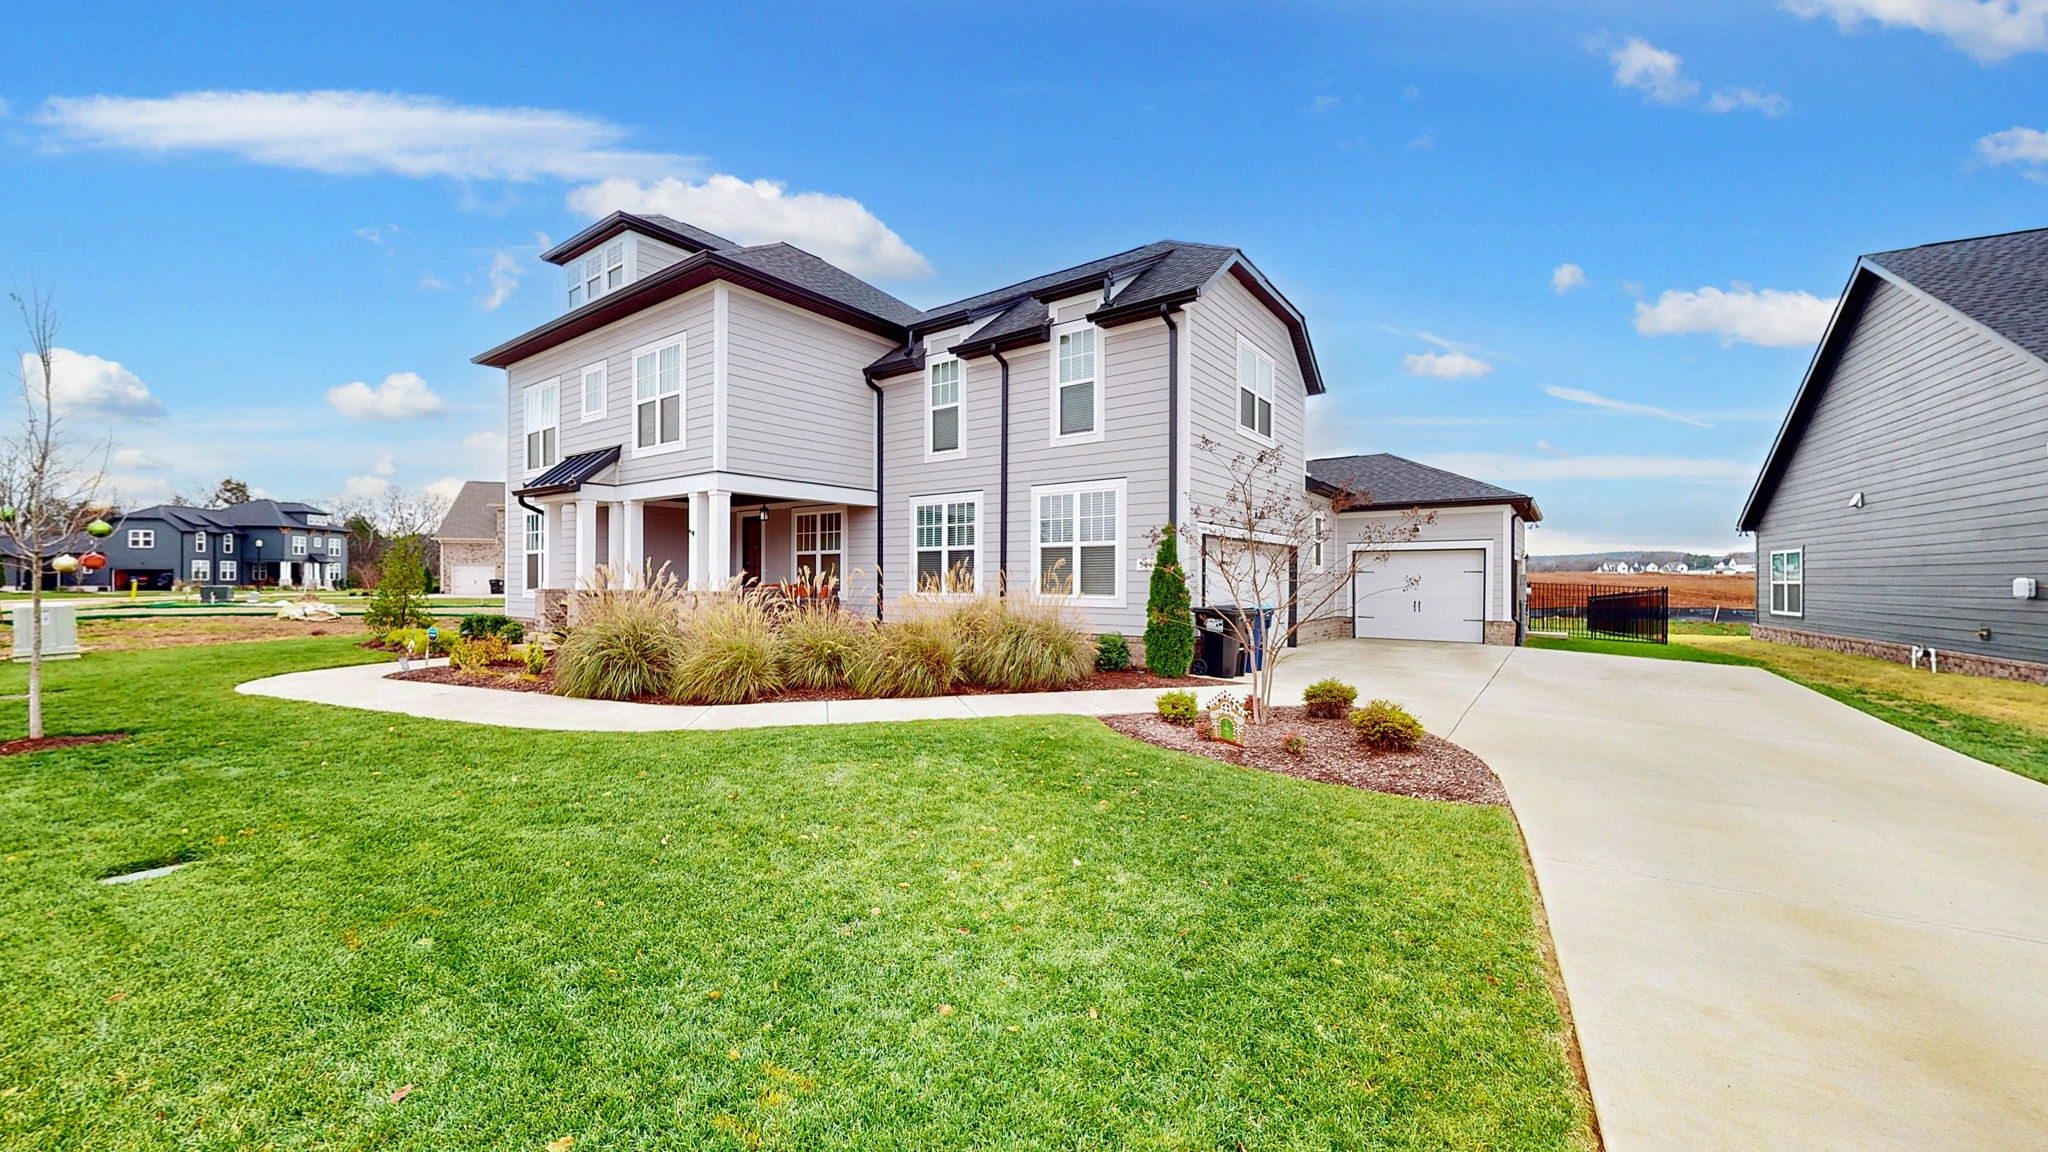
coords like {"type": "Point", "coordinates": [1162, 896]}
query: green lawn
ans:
{"type": "Point", "coordinates": [1028, 934]}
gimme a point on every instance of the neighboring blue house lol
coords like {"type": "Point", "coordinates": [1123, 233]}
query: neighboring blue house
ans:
{"type": "Point", "coordinates": [257, 543]}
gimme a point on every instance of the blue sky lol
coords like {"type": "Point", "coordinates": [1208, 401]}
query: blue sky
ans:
{"type": "Point", "coordinates": [277, 238]}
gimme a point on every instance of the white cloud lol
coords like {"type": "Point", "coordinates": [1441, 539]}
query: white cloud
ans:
{"type": "Point", "coordinates": [1325, 103]}
{"type": "Point", "coordinates": [1451, 365]}
{"type": "Point", "coordinates": [136, 460]}
{"type": "Point", "coordinates": [837, 228]}
{"type": "Point", "coordinates": [2027, 147]}
{"type": "Point", "coordinates": [1748, 99]}
{"type": "Point", "coordinates": [378, 233]}
{"type": "Point", "coordinates": [1771, 318]}
{"type": "Point", "coordinates": [1546, 447]}
{"type": "Point", "coordinates": [1423, 143]}
{"type": "Point", "coordinates": [384, 466]}
{"type": "Point", "coordinates": [1596, 400]}
{"type": "Point", "coordinates": [87, 386]}
{"type": "Point", "coordinates": [503, 276]}
{"type": "Point", "coordinates": [1657, 74]}
{"type": "Point", "coordinates": [365, 487]}
{"type": "Point", "coordinates": [1501, 466]}
{"type": "Point", "coordinates": [1566, 277]}
{"type": "Point", "coordinates": [484, 454]}
{"type": "Point", "coordinates": [432, 283]}
{"type": "Point", "coordinates": [401, 396]}
{"type": "Point", "coordinates": [445, 488]}
{"type": "Point", "coordinates": [1990, 30]}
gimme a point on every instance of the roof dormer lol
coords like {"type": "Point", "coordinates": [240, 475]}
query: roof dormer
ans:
{"type": "Point", "coordinates": [624, 247]}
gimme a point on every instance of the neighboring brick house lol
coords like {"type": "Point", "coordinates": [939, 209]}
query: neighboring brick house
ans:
{"type": "Point", "coordinates": [472, 540]}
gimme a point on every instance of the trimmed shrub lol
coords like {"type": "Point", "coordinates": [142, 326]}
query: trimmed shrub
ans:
{"type": "Point", "coordinates": [479, 652]}
{"type": "Point", "coordinates": [1293, 745]}
{"type": "Point", "coordinates": [910, 658]}
{"type": "Point", "coordinates": [1385, 726]}
{"type": "Point", "coordinates": [1169, 616]}
{"type": "Point", "coordinates": [1178, 707]}
{"type": "Point", "coordinates": [1030, 648]}
{"type": "Point", "coordinates": [1112, 652]}
{"type": "Point", "coordinates": [729, 655]}
{"type": "Point", "coordinates": [417, 641]}
{"type": "Point", "coordinates": [624, 644]}
{"type": "Point", "coordinates": [485, 624]}
{"type": "Point", "coordinates": [813, 644]}
{"type": "Point", "coordinates": [1328, 699]}
{"type": "Point", "coordinates": [512, 632]}
{"type": "Point", "coordinates": [536, 657]}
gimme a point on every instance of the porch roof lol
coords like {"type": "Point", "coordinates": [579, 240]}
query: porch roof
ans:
{"type": "Point", "coordinates": [571, 473]}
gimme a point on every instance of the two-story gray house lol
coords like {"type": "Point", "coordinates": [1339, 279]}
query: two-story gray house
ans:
{"type": "Point", "coordinates": [1900, 506]}
{"type": "Point", "coordinates": [258, 543]}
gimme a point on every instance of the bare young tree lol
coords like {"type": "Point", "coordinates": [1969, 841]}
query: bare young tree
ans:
{"type": "Point", "coordinates": [1267, 547]}
{"type": "Point", "coordinates": [374, 522]}
{"type": "Point", "coordinates": [49, 483]}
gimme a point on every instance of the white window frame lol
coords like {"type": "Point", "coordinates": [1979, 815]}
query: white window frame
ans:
{"type": "Point", "coordinates": [797, 551]}
{"type": "Point", "coordinates": [1116, 599]}
{"type": "Point", "coordinates": [941, 501]}
{"type": "Point", "coordinates": [681, 344]}
{"type": "Point", "coordinates": [142, 538]}
{"type": "Point", "coordinates": [532, 400]}
{"type": "Point", "coordinates": [334, 545]}
{"type": "Point", "coordinates": [198, 542]}
{"type": "Point", "coordinates": [227, 543]}
{"type": "Point", "coordinates": [605, 268]}
{"type": "Point", "coordinates": [226, 570]}
{"type": "Point", "coordinates": [202, 572]}
{"type": "Point", "coordinates": [533, 542]}
{"type": "Point", "coordinates": [1773, 579]}
{"type": "Point", "coordinates": [298, 545]}
{"type": "Point", "coordinates": [1319, 541]}
{"type": "Point", "coordinates": [1271, 397]}
{"type": "Point", "coordinates": [959, 405]}
{"type": "Point", "coordinates": [601, 370]}
{"type": "Point", "coordinates": [1094, 432]}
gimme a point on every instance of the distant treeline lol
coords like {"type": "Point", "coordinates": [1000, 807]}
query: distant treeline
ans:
{"type": "Point", "coordinates": [1591, 561]}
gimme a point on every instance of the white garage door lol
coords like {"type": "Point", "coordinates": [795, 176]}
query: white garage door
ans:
{"type": "Point", "coordinates": [470, 579]}
{"type": "Point", "coordinates": [1422, 595]}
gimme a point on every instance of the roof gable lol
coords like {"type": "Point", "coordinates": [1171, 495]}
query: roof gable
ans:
{"type": "Point", "coordinates": [476, 513]}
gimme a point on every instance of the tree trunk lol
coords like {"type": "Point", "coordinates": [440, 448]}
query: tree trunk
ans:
{"type": "Point", "coordinates": [35, 645]}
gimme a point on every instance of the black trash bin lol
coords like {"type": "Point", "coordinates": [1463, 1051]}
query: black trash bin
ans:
{"type": "Point", "coordinates": [1217, 651]}
{"type": "Point", "coordinates": [497, 587]}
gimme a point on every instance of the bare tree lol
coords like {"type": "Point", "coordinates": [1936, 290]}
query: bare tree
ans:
{"type": "Point", "coordinates": [49, 483]}
{"type": "Point", "coordinates": [374, 522]}
{"type": "Point", "coordinates": [1253, 543]}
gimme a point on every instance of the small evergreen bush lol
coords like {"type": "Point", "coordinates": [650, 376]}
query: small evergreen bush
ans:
{"type": "Point", "coordinates": [512, 632]}
{"type": "Point", "coordinates": [1328, 699]}
{"type": "Point", "coordinates": [1293, 745]}
{"type": "Point", "coordinates": [485, 624]}
{"type": "Point", "coordinates": [1112, 652]}
{"type": "Point", "coordinates": [1385, 726]}
{"type": "Point", "coordinates": [1169, 616]}
{"type": "Point", "coordinates": [400, 601]}
{"type": "Point", "coordinates": [1178, 707]}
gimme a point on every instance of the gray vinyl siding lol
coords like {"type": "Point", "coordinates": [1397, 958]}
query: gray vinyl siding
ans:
{"type": "Point", "coordinates": [1944, 429]}
{"type": "Point", "coordinates": [1214, 323]}
{"type": "Point", "coordinates": [651, 255]}
{"type": "Point", "coordinates": [797, 404]}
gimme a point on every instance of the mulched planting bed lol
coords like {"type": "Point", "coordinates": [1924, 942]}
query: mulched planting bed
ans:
{"type": "Point", "coordinates": [24, 746]}
{"type": "Point", "coordinates": [511, 677]}
{"type": "Point", "coordinates": [1434, 770]}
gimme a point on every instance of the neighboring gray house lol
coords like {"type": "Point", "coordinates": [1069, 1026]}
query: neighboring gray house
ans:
{"type": "Point", "coordinates": [259, 543]}
{"type": "Point", "coordinates": [754, 412]}
{"type": "Point", "coordinates": [472, 540]}
{"type": "Point", "coordinates": [1901, 505]}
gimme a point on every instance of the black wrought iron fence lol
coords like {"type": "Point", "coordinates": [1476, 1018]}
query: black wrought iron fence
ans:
{"type": "Point", "coordinates": [1600, 612]}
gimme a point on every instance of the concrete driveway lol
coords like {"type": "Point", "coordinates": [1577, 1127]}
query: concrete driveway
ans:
{"type": "Point", "coordinates": [1783, 924]}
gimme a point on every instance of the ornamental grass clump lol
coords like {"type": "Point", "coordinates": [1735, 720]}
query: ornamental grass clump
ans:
{"type": "Point", "coordinates": [1020, 648]}
{"type": "Point", "coordinates": [1385, 726]}
{"type": "Point", "coordinates": [625, 644]}
{"type": "Point", "coordinates": [908, 658]}
{"type": "Point", "coordinates": [1328, 699]}
{"type": "Point", "coordinates": [813, 645]}
{"type": "Point", "coordinates": [729, 654]}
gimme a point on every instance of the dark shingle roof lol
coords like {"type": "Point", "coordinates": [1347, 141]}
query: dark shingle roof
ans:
{"type": "Point", "coordinates": [684, 228]}
{"type": "Point", "coordinates": [476, 512]}
{"type": "Point", "coordinates": [1382, 480]}
{"type": "Point", "coordinates": [1024, 320]}
{"type": "Point", "coordinates": [793, 265]}
{"type": "Point", "coordinates": [249, 514]}
{"type": "Point", "coordinates": [571, 473]}
{"type": "Point", "coordinates": [1090, 270]}
{"type": "Point", "coordinates": [1999, 281]}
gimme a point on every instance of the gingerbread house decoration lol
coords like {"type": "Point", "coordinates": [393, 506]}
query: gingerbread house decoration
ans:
{"type": "Point", "coordinates": [1227, 719]}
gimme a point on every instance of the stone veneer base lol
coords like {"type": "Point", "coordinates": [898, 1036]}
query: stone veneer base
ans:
{"type": "Point", "coordinates": [1949, 660]}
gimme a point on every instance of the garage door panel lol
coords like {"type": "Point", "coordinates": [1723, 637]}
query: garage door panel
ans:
{"type": "Point", "coordinates": [1422, 594]}
{"type": "Point", "coordinates": [471, 579]}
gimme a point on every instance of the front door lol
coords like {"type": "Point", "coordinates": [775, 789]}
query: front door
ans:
{"type": "Point", "coordinates": [750, 548]}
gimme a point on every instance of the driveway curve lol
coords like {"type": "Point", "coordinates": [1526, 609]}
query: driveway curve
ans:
{"type": "Point", "coordinates": [1782, 923]}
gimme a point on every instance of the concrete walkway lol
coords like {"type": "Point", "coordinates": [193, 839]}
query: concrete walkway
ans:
{"type": "Point", "coordinates": [368, 686]}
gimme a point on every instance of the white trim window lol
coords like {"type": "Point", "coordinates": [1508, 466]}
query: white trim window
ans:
{"type": "Point", "coordinates": [543, 418]}
{"type": "Point", "coordinates": [142, 537]}
{"type": "Point", "coordinates": [334, 545]}
{"type": "Point", "coordinates": [1319, 535]}
{"type": "Point", "coordinates": [202, 572]}
{"type": "Point", "coordinates": [535, 547]}
{"type": "Point", "coordinates": [658, 397]}
{"type": "Point", "coordinates": [227, 543]}
{"type": "Point", "coordinates": [592, 379]}
{"type": "Point", "coordinates": [1254, 390]}
{"type": "Point", "coordinates": [1076, 384]}
{"type": "Point", "coordinates": [945, 386]}
{"type": "Point", "coordinates": [227, 571]}
{"type": "Point", "coordinates": [945, 552]}
{"type": "Point", "coordinates": [298, 545]}
{"type": "Point", "coordinates": [1078, 549]}
{"type": "Point", "coordinates": [603, 269]}
{"type": "Point", "coordinates": [820, 545]}
{"type": "Point", "coordinates": [1788, 582]}
{"type": "Point", "coordinates": [199, 541]}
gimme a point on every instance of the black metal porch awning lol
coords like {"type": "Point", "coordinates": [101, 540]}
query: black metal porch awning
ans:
{"type": "Point", "coordinates": [572, 473]}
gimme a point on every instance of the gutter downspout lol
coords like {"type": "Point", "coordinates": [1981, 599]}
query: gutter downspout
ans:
{"type": "Point", "coordinates": [1003, 487]}
{"type": "Point", "coordinates": [881, 538]}
{"type": "Point", "coordinates": [1172, 418]}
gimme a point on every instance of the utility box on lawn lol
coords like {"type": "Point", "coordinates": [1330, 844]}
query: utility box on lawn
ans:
{"type": "Point", "coordinates": [60, 631]}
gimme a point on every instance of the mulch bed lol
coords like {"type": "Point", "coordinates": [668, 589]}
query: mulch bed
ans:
{"type": "Point", "coordinates": [512, 678]}
{"type": "Point", "coordinates": [24, 746]}
{"type": "Point", "coordinates": [1434, 770]}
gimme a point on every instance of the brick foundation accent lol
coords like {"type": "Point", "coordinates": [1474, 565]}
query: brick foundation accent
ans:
{"type": "Point", "coordinates": [553, 609]}
{"type": "Point", "coordinates": [1964, 663]}
{"type": "Point", "coordinates": [1334, 628]}
{"type": "Point", "coordinates": [1500, 632]}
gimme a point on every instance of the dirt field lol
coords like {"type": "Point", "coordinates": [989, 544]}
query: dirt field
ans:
{"type": "Point", "coordinates": [1687, 591]}
{"type": "Point", "coordinates": [170, 632]}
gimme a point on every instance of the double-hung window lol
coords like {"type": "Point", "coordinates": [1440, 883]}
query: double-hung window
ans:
{"type": "Point", "coordinates": [201, 571]}
{"type": "Point", "coordinates": [592, 391]}
{"type": "Point", "coordinates": [598, 272]}
{"type": "Point", "coordinates": [298, 545]}
{"type": "Point", "coordinates": [1788, 582]}
{"type": "Point", "coordinates": [944, 530]}
{"type": "Point", "coordinates": [1080, 541]}
{"type": "Point", "coordinates": [334, 545]}
{"type": "Point", "coordinates": [658, 397]}
{"type": "Point", "coordinates": [142, 537]}
{"type": "Point", "coordinates": [543, 412]}
{"type": "Point", "coordinates": [227, 571]}
{"type": "Point", "coordinates": [535, 546]}
{"type": "Point", "coordinates": [943, 385]}
{"type": "Point", "coordinates": [227, 544]}
{"type": "Point", "coordinates": [820, 546]}
{"type": "Point", "coordinates": [1254, 390]}
{"type": "Point", "coordinates": [1077, 388]}
{"type": "Point", "coordinates": [199, 541]}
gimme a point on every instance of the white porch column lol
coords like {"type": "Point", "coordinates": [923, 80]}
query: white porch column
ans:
{"type": "Point", "coordinates": [719, 546]}
{"type": "Point", "coordinates": [615, 541]}
{"type": "Point", "coordinates": [633, 530]}
{"type": "Point", "coordinates": [586, 540]}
